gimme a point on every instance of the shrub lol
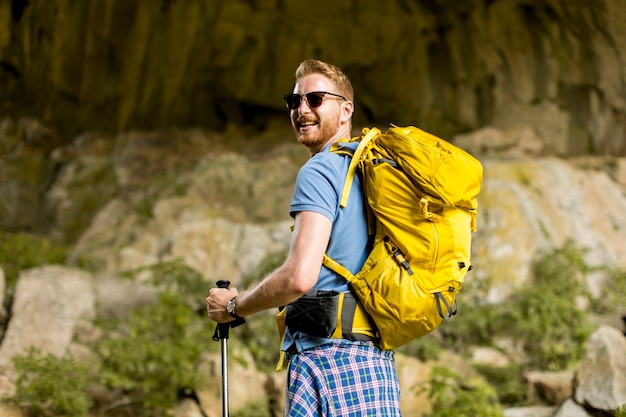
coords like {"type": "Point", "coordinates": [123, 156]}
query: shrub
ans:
{"type": "Point", "coordinates": [454, 396]}
{"type": "Point", "coordinates": [20, 251]}
{"type": "Point", "coordinates": [613, 297]}
{"type": "Point", "coordinates": [48, 386]}
{"type": "Point", "coordinates": [544, 316]}
{"type": "Point", "coordinates": [156, 350]}
{"type": "Point", "coordinates": [507, 381]}
{"type": "Point", "coordinates": [474, 324]}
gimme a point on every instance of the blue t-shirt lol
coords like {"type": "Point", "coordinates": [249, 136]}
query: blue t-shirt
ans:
{"type": "Point", "coordinates": [318, 188]}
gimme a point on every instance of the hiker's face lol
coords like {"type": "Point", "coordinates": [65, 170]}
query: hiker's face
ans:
{"type": "Point", "coordinates": [315, 127]}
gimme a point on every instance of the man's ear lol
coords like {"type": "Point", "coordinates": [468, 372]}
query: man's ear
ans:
{"type": "Point", "coordinates": [347, 110]}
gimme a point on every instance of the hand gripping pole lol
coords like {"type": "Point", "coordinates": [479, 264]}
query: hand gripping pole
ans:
{"type": "Point", "coordinates": [221, 334]}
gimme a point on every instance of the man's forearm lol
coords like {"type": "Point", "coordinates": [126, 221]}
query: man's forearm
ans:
{"type": "Point", "coordinates": [297, 275]}
{"type": "Point", "coordinates": [277, 289]}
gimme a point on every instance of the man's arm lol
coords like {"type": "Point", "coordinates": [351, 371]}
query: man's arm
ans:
{"type": "Point", "coordinates": [297, 275]}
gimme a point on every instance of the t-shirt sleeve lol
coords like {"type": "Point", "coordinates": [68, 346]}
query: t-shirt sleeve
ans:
{"type": "Point", "coordinates": [315, 189]}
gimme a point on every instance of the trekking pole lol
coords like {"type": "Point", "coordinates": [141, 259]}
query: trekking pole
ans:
{"type": "Point", "coordinates": [221, 334]}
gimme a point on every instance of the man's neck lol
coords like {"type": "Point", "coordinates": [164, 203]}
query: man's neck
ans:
{"type": "Point", "coordinates": [341, 133]}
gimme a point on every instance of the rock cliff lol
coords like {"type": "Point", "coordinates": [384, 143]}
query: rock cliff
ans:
{"type": "Point", "coordinates": [450, 67]}
{"type": "Point", "coordinates": [137, 198]}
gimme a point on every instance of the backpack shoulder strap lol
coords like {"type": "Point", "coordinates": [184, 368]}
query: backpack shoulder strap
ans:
{"type": "Point", "coordinates": [337, 268]}
{"type": "Point", "coordinates": [356, 158]}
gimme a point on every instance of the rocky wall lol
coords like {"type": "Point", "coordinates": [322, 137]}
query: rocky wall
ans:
{"type": "Point", "coordinates": [449, 67]}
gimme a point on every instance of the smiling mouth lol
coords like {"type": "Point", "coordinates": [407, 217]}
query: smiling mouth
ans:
{"type": "Point", "coordinates": [307, 123]}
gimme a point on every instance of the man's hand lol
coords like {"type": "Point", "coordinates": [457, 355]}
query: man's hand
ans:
{"type": "Point", "coordinates": [216, 304]}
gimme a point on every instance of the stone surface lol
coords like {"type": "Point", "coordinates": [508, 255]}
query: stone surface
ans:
{"type": "Point", "coordinates": [25, 170]}
{"type": "Point", "coordinates": [241, 202]}
{"type": "Point", "coordinates": [530, 205]}
{"type": "Point", "coordinates": [556, 65]}
{"type": "Point", "coordinates": [549, 388]}
{"type": "Point", "coordinates": [601, 378]}
{"type": "Point", "coordinates": [117, 296]}
{"type": "Point", "coordinates": [246, 385]}
{"type": "Point", "coordinates": [570, 409]}
{"type": "Point", "coordinates": [230, 211]}
{"type": "Point", "coordinates": [9, 410]}
{"type": "Point", "coordinates": [50, 303]}
{"type": "Point", "coordinates": [489, 356]}
{"type": "Point", "coordinates": [201, 224]}
{"type": "Point", "coordinates": [534, 411]}
{"type": "Point", "coordinates": [412, 373]}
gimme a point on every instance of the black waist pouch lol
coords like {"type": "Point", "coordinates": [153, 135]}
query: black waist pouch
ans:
{"type": "Point", "coordinates": [315, 315]}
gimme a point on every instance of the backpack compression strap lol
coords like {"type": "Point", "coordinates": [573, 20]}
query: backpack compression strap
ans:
{"type": "Point", "coordinates": [356, 158]}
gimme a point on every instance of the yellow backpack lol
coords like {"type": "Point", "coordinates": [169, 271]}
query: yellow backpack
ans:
{"type": "Point", "coordinates": [421, 193]}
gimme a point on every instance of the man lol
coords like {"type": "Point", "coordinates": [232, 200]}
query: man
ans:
{"type": "Point", "coordinates": [330, 374]}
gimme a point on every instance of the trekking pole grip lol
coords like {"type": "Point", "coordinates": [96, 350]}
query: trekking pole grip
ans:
{"type": "Point", "coordinates": [221, 330]}
{"type": "Point", "coordinates": [222, 283]}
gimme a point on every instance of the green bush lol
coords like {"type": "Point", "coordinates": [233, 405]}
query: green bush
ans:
{"type": "Point", "coordinates": [156, 350]}
{"type": "Point", "coordinates": [613, 297]}
{"type": "Point", "coordinates": [544, 316]}
{"type": "Point", "coordinates": [621, 411]}
{"type": "Point", "coordinates": [20, 251]}
{"type": "Point", "coordinates": [48, 386]}
{"type": "Point", "coordinates": [149, 358]}
{"type": "Point", "coordinates": [454, 396]}
{"type": "Point", "coordinates": [507, 381]}
{"type": "Point", "coordinates": [473, 325]}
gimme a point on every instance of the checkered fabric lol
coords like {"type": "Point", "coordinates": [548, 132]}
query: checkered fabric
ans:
{"type": "Point", "coordinates": [343, 379]}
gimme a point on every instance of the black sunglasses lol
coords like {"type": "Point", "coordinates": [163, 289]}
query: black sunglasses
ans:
{"type": "Point", "coordinates": [313, 99]}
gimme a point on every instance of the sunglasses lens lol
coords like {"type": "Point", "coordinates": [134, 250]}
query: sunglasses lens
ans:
{"type": "Point", "coordinates": [315, 99]}
{"type": "Point", "coordinates": [292, 101]}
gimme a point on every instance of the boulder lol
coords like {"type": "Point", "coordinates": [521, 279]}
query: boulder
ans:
{"type": "Point", "coordinates": [533, 411]}
{"type": "Point", "coordinates": [549, 388]}
{"type": "Point", "coordinates": [600, 381]}
{"type": "Point", "coordinates": [412, 373]}
{"type": "Point", "coordinates": [571, 409]}
{"type": "Point", "coordinates": [50, 302]}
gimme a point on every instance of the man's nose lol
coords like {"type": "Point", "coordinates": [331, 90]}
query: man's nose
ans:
{"type": "Point", "coordinates": [304, 106]}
